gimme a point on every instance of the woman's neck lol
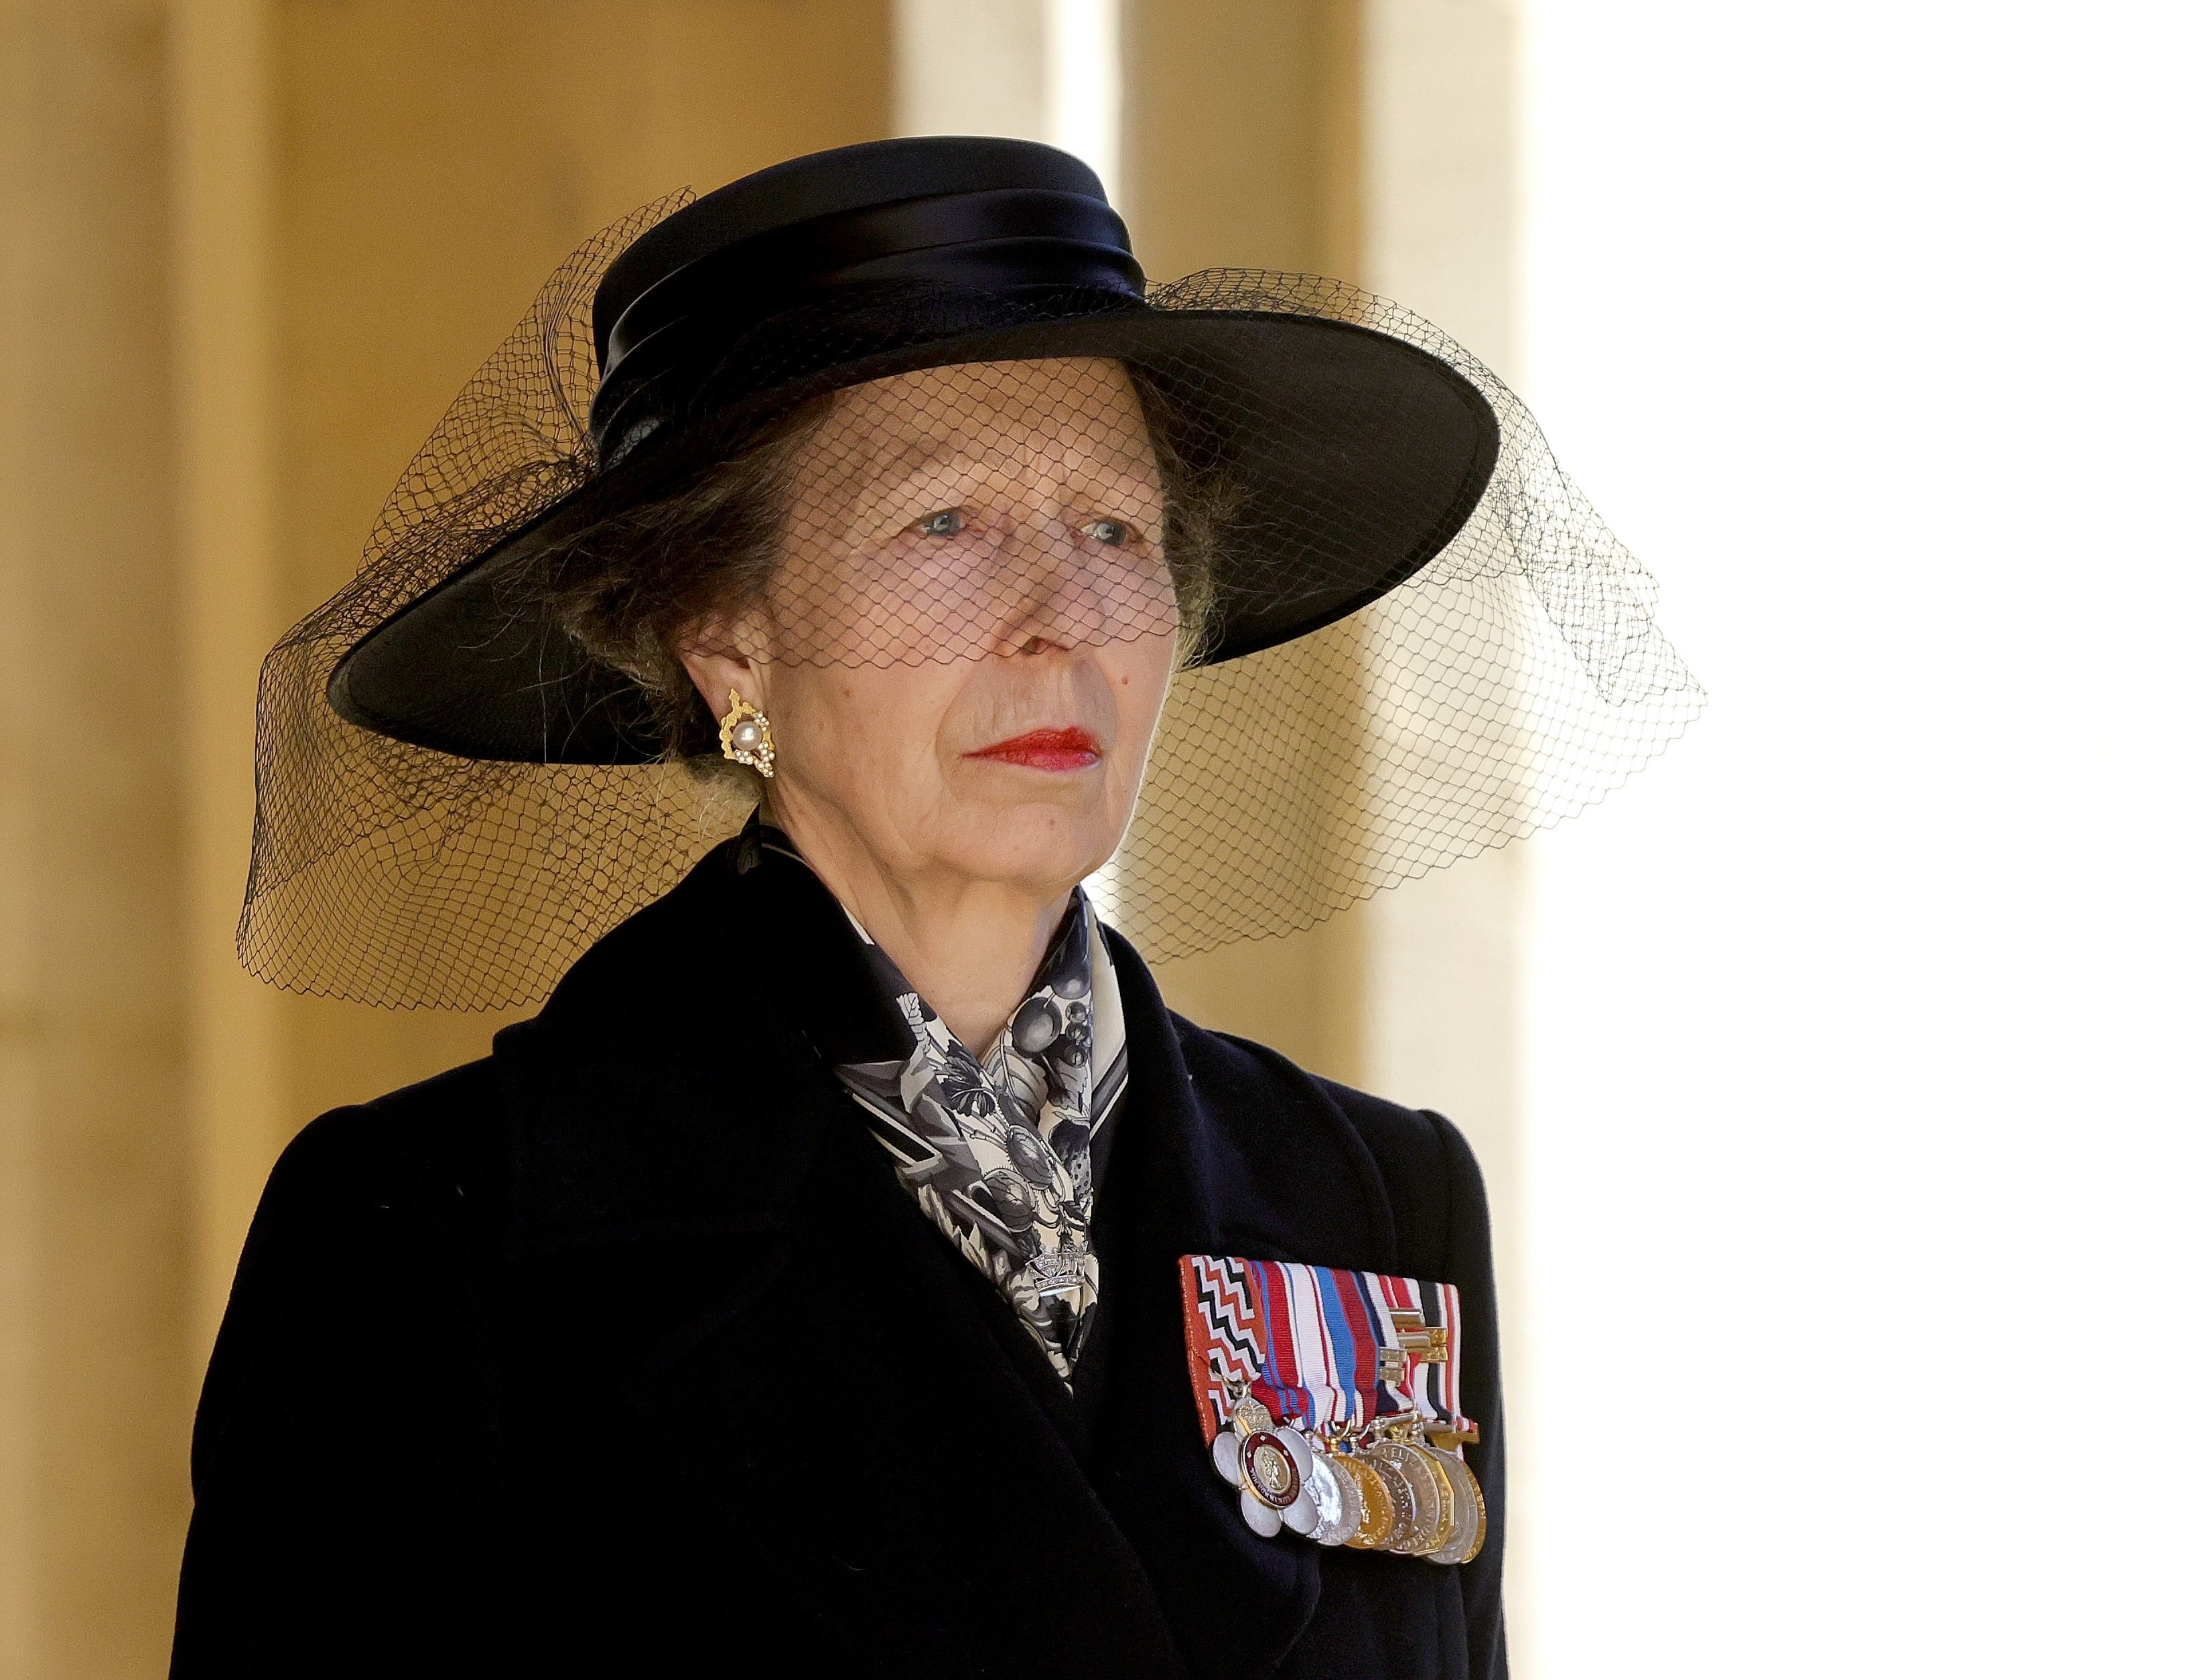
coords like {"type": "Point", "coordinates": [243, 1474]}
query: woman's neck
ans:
{"type": "Point", "coordinates": [970, 947]}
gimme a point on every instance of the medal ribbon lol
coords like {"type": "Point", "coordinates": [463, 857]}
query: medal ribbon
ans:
{"type": "Point", "coordinates": [1309, 1340]}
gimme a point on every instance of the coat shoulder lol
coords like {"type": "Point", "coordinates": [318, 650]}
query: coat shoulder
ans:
{"type": "Point", "coordinates": [345, 1450]}
{"type": "Point", "coordinates": [374, 1226]}
{"type": "Point", "coordinates": [369, 1198]}
{"type": "Point", "coordinates": [437, 1137]}
{"type": "Point", "coordinates": [1422, 1167]}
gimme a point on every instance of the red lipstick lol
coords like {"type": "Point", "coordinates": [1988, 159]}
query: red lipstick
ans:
{"type": "Point", "coordinates": [1046, 749]}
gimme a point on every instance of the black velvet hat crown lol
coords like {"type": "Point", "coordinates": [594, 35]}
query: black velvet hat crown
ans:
{"type": "Point", "coordinates": [871, 260]}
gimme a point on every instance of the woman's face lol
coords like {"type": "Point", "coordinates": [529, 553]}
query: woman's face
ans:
{"type": "Point", "coordinates": [964, 650]}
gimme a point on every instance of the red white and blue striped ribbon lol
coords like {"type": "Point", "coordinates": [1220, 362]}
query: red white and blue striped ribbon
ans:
{"type": "Point", "coordinates": [1306, 1340]}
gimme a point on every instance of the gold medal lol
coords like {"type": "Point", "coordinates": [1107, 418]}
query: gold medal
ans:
{"type": "Point", "coordinates": [1378, 1500]}
{"type": "Point", "coordinates": [1269, 1470]}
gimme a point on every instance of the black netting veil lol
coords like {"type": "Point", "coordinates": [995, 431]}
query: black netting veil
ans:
{"type": "Point", "coordinates": [1402, 635]}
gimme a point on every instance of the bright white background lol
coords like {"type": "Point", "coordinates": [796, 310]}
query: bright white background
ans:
{"type": "Point", "coordinates": [1857, 1152]}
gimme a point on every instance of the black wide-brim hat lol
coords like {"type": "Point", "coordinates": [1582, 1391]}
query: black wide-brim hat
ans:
{"type": "Point", "coordinates": [1424, 641]}
{"type": "Point", "coordinates": [871, 260]}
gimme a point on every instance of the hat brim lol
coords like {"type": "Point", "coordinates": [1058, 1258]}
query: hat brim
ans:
{"type": "Point", "coordinates": [1383, 447]}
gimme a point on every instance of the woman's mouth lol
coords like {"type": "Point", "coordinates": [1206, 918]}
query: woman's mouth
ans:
{"type": "Point", "coordinates": [1046, 749]}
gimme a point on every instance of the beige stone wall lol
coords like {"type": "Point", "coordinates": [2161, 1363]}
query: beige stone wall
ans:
{"type": "Point", "coordinates": [94, 1379]}
{"type": "Point", "coordinates": [1373, 141]}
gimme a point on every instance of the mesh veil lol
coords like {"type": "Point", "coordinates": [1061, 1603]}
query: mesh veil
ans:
{"type": "Point", "coordinates": [1513, 679]}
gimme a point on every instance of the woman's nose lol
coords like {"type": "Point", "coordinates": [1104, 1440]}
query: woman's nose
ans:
{"type": "Point", "coordinates": [1058, 598]}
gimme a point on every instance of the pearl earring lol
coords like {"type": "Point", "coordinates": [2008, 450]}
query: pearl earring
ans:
{"type": "Point", "coordinates": [746, 737]}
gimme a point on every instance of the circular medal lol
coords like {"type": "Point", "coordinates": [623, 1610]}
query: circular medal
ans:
{"type": "Point", "coordinates": [1469, 1513]}
{"type": "Point", "coordinates": [1269, 1470]}
{"type": "Point", "coordinates": [1417, 1499]}
{"type": "Point", "coordinates": [1443, 1521]}
{"type": "Point", "coordinates": [1377, 1500]}
{"type": "Point", "coordinates": [1340, 1502]}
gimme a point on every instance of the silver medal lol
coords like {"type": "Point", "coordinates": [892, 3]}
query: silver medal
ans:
{"type": "Point", "coordinates": [1275, 1469]}
{"type": "Point", "coordinates": [1260, 1516]}
{"type": "Point", "coordinates": [1227, 1457]}
{"type": "Point", "coordinates": [1469, 1513]}
{"type": "Point", "coordinates": [1301, 1513]}
{"type": "Point", "coordinates": [1340, 1502]}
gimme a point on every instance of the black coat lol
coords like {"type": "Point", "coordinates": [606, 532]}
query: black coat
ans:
{"type": "Point", "coordinates": [622, 1352]}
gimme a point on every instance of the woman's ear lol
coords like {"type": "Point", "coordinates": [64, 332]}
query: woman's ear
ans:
{"type": "Point", "coordinates": [713, 659]}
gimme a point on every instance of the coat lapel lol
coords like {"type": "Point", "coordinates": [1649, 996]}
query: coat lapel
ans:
{"type": "Point", "coordinates": [937, 1512]}
{"type": "Point", "coordinates": [1235, 1602]}
{"type": "Point", "coordinates": [839, 1398]}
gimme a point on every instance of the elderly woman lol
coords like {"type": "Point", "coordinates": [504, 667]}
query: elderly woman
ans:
{"type": "Point", "coordinates": [807, 1288]}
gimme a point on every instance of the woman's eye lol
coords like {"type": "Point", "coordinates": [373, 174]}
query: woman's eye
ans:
{"type": "Point", "coordinates": [947, 522]}
{"type": "Point", "coordinates": [1112, 531]}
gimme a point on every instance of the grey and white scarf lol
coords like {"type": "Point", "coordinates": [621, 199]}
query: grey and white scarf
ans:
{"type": "Point", "coordinates": [1000, 1150]}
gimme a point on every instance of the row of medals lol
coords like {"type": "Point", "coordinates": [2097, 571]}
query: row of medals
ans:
{"type": "Point", "coordinates": [1389, 1485]}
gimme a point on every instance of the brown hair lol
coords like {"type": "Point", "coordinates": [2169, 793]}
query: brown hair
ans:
{"type": "Point", "coordinates": [630, 589]}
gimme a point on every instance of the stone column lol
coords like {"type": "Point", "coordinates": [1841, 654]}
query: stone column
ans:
{"type": "Point", "coordinates": [1046, 70]}
{"type": "Point", "coordinates": [95, 1394]}
{"type": "Point", "coordinates": [1241, 148]}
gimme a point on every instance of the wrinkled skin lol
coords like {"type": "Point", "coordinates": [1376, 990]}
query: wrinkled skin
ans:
{"type": "Point", "coordinates": [971, 554]}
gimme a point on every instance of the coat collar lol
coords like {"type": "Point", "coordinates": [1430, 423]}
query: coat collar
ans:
{"type": "Point", "coordinates": [667, 1092]}
{"type": "Point", "coordinates": [623, 1090]}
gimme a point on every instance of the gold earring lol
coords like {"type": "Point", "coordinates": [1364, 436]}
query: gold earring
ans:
{"type": "Point", "coordinates": [745, 734]}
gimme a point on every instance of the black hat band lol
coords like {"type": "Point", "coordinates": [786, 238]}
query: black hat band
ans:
{"type": "Point", "coordinates": [1010, 242]}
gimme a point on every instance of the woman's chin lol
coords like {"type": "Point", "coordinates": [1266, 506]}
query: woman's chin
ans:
{"type": "Point", "coordinates": [1038, 844]}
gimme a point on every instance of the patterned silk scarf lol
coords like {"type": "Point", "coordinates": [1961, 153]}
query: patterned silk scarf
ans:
{"type": "Point", "coordinates": [1001, 1150]}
